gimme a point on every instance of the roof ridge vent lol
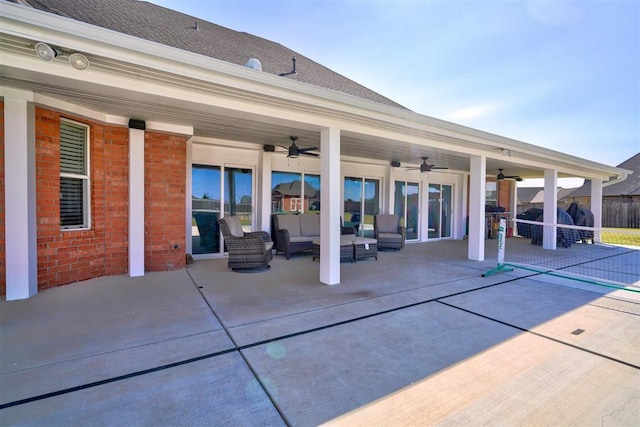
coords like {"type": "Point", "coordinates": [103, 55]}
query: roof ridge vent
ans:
{"type": "Point", "coordinates": [254, 64]}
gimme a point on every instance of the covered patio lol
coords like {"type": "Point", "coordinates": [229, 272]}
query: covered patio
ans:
{"type": "Point", "coordinates": [419, 329]}
{"type": "Point", "coordinates": [197, 111]}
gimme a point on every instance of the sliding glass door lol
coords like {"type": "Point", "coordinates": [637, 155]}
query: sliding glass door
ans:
{"type": "Point", "coordinates": [205, 209]}
{"type": "Point", "coordinates": [207, 203]}
{"type": "Point", "coordinates": [361, 204]}
{"type": "Point", "coordinates": [440, 210]}
{"type": "Point", "coordinates": [238, 200]}
{"type": "Point", "coordinates": [407, 207]}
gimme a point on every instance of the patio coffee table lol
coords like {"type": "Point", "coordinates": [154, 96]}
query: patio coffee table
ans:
{"type": "Point", "coordinates": [346, 250]}
{"type": "Point", "coordinates": [363, 247]}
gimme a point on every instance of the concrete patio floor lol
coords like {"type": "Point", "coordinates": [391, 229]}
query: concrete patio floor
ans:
{"type": "Point", "coordinates": [415, 338]}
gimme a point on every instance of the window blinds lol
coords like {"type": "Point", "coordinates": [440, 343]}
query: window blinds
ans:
{"type": "Point", "coordinates": [73, 169]}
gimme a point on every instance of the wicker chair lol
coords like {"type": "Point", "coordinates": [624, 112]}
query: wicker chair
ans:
{"type": "Point", "coordinates": [387, 231]}
{"type": "Point", "coordinates": [246, 250]}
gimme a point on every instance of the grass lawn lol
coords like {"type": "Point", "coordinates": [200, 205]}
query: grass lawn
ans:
{"type": "Point", "coordinates": [621, 236]}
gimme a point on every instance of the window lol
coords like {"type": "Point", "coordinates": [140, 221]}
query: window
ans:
{"type": "Point", "coordinates": [74, 175]}
{"type": "Point", "coordinates": [491, 192]}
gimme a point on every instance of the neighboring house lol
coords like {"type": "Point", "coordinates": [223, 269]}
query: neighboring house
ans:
{"type": "Point", "coordinates": [117, 117]}
{"type": "Point", "coordinates": [621, 200]}
{"type": "Point", "coordinates": [288, 197]}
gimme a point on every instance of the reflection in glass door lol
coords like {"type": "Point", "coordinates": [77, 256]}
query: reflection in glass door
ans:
{"type": "Point", "coordinates": [238, 200]}
{"type": "Point", "coordinates": [440, 210]}
{"type": "Point", "coordinates": [205, 209]}
{"type": "Point", "coordinates": [207, 204]}
{"type": "Point", "coordinates": [407, 207]}
{"type": "Point", "coordinates": [361, 204]}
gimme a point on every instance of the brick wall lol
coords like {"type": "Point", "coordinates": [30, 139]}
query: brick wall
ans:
{"type": "Point", "coordinates": [74, 255]}
{"type": "Point", "coordinates": [3, 271]}
{"type": "Point", "coordinates": [504, 194]}
{"type": "Point", "coordinates": [165, 182]}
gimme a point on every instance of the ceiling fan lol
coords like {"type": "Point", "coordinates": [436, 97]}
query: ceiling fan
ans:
{"type": "Point", "coordinates": [293, 151]}
{"type": "Point", "coordinates": [502, 176]}
{"type": "Point", "coordinates": [424, 167]}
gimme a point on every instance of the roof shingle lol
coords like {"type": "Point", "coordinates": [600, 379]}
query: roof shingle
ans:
{"type": "Point", "coordinates": [158, 24]}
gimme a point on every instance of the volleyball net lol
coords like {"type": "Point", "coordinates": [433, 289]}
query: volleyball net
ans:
{"type": "Point", "coordinates": [600, 256]}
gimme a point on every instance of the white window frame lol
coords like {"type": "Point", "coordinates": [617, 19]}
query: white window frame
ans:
{"type": "Point", "coordinates": [86, 181]}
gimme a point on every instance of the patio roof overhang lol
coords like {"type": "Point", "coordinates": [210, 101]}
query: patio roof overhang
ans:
{"type": "Point", "coordinates": [189, 93]}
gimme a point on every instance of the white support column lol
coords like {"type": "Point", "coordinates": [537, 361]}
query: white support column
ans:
{"type": "Point", "coordinates": [514, 208]}
{"type": "Point", "coordinates": [388, 195]}
{"type": "Point", "coordinates": [330, 206]}
{"type": "Point", "coordinates": [136, 202]}
{"type": "Point", "coordinates": [21, 255]}
{"type": "Point", "coordinates": [264, 184]}
{"type": "Point", "coordinates": [477, 194]}
{"type": "Point", "coordinates": [550, 214]}
{"type": "Point", "coordinates": [596, 207]}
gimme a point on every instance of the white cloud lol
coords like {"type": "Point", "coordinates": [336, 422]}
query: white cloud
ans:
{"type": "Point", "coordinates": [474, 112]}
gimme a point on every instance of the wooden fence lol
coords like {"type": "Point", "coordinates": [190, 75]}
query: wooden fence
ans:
{"type": "Point", "coordinates": [614, 214]}
{"type": "Point", "coordinates": [621, 215]}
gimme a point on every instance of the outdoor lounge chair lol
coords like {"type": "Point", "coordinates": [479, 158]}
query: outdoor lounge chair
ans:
{"type": "Point", "coordinates": [388, 232]}
{"type": "Point", "coordinates": [246, 250]}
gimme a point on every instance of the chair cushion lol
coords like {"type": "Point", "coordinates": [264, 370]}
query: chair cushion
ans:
{"type": "Point", "coordinates": [387, 223]}
{"type": "Point", "coordinates": [291, 223]}
{"type": "Point", "coordinates": [389, 236]}
{"type": "Point", "coordinates": [235, 228]}
{"type": "Point", "coordinates": [364, 241]}
{"type": "Point", "coordinates": [268, 246]}
{"type": "Point", "coordinates": [301, 239]}
{"type": "Point", "coordinates": [309, 224]}
{"type": "Point", "coordinates": [343, 242]}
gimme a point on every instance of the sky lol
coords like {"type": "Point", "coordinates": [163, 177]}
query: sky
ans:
{"type": "Point", "coordinates": [561, 74]}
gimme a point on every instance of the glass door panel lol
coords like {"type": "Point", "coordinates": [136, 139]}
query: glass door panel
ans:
{"type": "Point", "coordinates": [352, 202]}
{"type": "Point", "coordinates": [312, 193]}
{"type": "Point", "coordinates": [238, 192]}
{"type": "Point", "coordinates": [399, 201]}
{"type": "Point", "coordinates": [446, 211]}
{"type": "Point", "coordinates": [371, 205]}
{"type": "Point", "coordinates": [407, 207]}
{"type": "Point", "coordinates": [413, 214]}
{"type": "Point", "coordinates": [440, 210]}
{"type": "Point", "coordinates": [434, 211]}
{"type": "Point", "coordinates": [205, 209]}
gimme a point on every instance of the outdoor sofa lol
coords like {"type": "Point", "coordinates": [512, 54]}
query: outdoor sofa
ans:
{"type": "Point", "coordinates": [295, 232]}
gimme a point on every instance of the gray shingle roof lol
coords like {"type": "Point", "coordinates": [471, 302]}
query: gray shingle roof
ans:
{"type": "Point", "coordinates": [526, 194]}
{"type": "Point", "coordinates": [155, 23]}
{"type": "Point", "coordinates": [628, 187]}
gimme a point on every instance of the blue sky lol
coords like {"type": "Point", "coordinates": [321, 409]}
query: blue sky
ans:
{"type": "Point", "coordinates": [559, 74]}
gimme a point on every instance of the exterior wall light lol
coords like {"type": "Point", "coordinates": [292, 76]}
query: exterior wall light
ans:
{"type": "Point", "coordinates": [45, 52]}
{"type": "Point", "coordinates": [79, 61]}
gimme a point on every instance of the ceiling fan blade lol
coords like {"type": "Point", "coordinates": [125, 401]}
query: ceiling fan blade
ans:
{"type": "Point", "coordinates": [309, 149]}
{"type": "Point", "coordinates": [438, 167]}
{"type": "Point", "coordinates": [304, 153]}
